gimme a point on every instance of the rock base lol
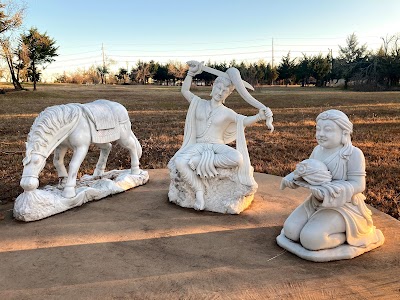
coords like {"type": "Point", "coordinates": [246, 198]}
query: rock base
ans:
{"type": "Point", "coordinates": [344, 251]}
{"type": "Point", "coordinates": [223, 194]}
{"type": "Point", "coordinates": [42, 203]}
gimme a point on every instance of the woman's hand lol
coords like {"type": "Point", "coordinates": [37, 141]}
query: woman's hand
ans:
{"type": "Point", "coordinates": [317, 193]}
{"type": "Point", "coordinates": [287, 181]}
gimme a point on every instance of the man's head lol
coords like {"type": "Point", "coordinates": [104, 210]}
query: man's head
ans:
{"type": "Point", "coordinates": [222, 88]}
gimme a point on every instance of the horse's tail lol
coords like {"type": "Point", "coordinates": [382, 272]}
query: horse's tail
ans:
{"type": "Point", "coordinates": [137, 146]}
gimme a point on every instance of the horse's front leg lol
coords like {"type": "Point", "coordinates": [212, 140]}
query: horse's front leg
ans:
{"type": "Point", "coordinates": [76, 161]}
{"type": "Point", "coordinates": [101, 163]}
{"type": "Point", "coordinates": [58, 162]}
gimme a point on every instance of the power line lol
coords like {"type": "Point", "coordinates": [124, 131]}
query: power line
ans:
{"type": "Point", "coordinates": [191, 50]}
{"type": "Point", "coordinates": [75, 59]}
{"type": "Point", "coordinates": [79, 53]}
{"type": "Point", "coordinates": [267, 51]}
{"type": "Point", "coordinates": [242, 41]}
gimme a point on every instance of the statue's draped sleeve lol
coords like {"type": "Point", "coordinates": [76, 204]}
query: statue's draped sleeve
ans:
{"type": "Point", "coordinates": [189, 134]}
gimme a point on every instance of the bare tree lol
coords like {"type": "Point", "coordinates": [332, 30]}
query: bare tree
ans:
{"type": "Point", "coordinates": [22, 61]}
{"type": "Point", "coordinates": [92, 75]}
{"type": "Point", "coordinates": [11, 16]}
{"type": "Point", "coordinates": [142, 72]}
{"type": "Point", "coordinates": [8, 56]}
{"type": "Point", "coordinates": [177, 69]}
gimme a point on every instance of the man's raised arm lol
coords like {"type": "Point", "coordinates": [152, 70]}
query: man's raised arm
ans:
{"type": "Point", "coordinates": [186, 88]}
{"type": "Point", "coordinates": [194, 68]}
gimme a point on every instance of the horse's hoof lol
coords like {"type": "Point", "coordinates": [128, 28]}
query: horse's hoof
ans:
{"type": "Point", "coordinates": [98, 173]}
{"type": "Point", "coordinates": [69, 192]}
{"type": "Point", "coordinates": [61, 182]}
{"type": "Point", "coordinates": [136, 171]}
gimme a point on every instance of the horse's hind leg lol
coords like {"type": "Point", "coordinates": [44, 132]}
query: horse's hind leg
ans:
{"type": "Point", "coordinates": [132, 144]}
{"type": "Point", "coordinates": [76, 161]}
{"type": "Point", "coordinates": [58, 161]}
{"type": "Point", "coordinates": [101, 163]}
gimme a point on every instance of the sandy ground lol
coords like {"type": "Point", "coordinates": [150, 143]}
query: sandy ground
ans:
{"type": "Point", "coordinates": [137, 245]}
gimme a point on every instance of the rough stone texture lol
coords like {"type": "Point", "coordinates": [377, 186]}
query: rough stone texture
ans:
{"type": "Point", "coordinates": [224, 193]}
{"type": "Point", "coordinates": [137, 245]}
{"type": "Point", "coordinates": [42, 203]}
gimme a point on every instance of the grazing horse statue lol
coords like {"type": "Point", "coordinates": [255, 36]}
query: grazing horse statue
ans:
{"type": "Point", "coordinates": [76, 126]}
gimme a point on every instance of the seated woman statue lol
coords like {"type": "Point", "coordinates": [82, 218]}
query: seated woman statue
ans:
{"type": "Point", "coordinates": [209, 126]}
{"type": "Point", "coordinates": [334, 216]}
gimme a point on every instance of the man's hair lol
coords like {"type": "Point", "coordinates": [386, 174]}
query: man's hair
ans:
{"type": "Point", "coordinates": [226, 82]}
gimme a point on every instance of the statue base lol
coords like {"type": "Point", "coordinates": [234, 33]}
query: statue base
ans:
{"type": "Point", "coordinates": [42, 203]}
{"type": "Point", "coordinates": [223, 194]}
{"type": "Point", "coordinates": [344, 251]}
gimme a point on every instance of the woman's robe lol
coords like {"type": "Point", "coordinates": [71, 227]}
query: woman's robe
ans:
{"type": "Point", "coordinates": [360, 231]}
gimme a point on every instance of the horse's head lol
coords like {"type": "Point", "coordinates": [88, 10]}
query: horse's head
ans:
{"type": "Point", "coordinates": [33, 164]}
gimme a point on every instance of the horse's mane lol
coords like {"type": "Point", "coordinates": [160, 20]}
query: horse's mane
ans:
{"type": "Point", "coordinates": [48, 123]}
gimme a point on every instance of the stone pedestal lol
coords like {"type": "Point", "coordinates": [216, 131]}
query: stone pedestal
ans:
{"type": "Point", "coordinates": [223, 194]}
{"type": "Point", "coordinates": [42, 203]}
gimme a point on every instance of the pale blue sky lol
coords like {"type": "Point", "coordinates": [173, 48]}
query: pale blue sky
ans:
{"type": "Point", "coordinates": [205, 30]}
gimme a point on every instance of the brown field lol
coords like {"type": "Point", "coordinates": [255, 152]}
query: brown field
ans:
{"type": "Point", "coordinates": [158, 115]}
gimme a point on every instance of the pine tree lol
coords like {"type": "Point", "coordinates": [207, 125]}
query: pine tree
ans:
{"type": "Point", "coordinates": [40, 50]}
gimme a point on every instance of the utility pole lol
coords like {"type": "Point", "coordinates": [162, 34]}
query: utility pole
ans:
{"type": "Point", "coordinates": [127, 71]}
{"type": "Point", "coordinates": [102, 50]}
{"type": "Point", "coordinates": [104, 65]}
{"type": "Point", "coordinates": [272, 53]}
{"type": "Point", "coordinates": [272, 69]}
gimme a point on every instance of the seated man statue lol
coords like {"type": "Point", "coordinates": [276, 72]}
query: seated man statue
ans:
{"type": "Point", "coordinates": [209, 126]}
{"type": "Point", "coordinates": [333, 222]}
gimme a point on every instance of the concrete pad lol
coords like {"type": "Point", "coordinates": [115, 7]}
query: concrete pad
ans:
{"type": "Point", "coordinates": [138, 245]}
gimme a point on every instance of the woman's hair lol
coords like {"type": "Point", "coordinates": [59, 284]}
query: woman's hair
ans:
{"type": "Point", "coordinates": [341, 119]}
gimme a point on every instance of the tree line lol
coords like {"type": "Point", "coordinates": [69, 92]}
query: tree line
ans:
{"type": "Point", "coordinates": [355, 65]}
{"type": "Point", "coordinates": [29, 53]}
{"type": "Point", "coordinates": [171, 73]}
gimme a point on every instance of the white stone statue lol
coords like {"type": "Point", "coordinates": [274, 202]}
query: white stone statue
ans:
{"type": "Point", "coordinates": [76, 126]}
{"type": "Point", "coordinates": [205, 172]}
{"type": "Point", "coordinates": [333, 222]}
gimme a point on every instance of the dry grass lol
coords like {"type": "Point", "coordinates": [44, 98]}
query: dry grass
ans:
{"type": "Point", "coordinates": [158, 115]}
